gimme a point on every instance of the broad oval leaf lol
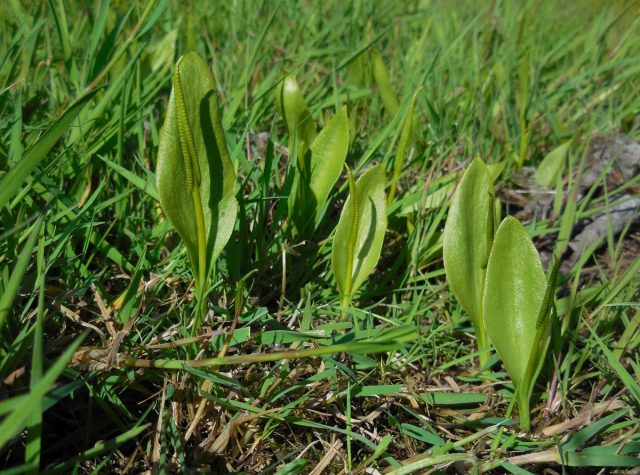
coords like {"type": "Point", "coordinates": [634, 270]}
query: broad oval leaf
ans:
{"type": "Point", "coordinates": [212, 173]}
{"type": "Point", "coordinates": [360, 232]}
{"type": "Point", "coordinates": [513, 295]}
{"type": "Point", "coordinates": [297, 117]}
{"type": "Point", "coordinates": [318, 172]}
{"type": "Point", "coordinates": [465, 241]}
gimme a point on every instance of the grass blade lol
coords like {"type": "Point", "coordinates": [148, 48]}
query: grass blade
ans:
{"type": "Point", "coordinates": [19, 173]}
{"type": "Point", "coordinates": [12, 286]}
{"type": "Point", "coordinates": [16, 421]}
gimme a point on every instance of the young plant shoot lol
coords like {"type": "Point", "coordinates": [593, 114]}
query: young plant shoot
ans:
{"type": "Point", "coordinates": [468, 234]}
{"type": "Point", "coordinates": [317, 172]}
{"type": "Point", "coordinates": [297, 118]}
{"type": "Point", "coordinates": [517, 304]}
{"type": "Point", "coordinates": [195, 174]}
{"type": "Point", "coordinates": [360, 233]}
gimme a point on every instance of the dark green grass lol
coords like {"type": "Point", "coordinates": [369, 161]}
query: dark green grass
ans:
{"type": "Point", "coordinates": [87, 258]}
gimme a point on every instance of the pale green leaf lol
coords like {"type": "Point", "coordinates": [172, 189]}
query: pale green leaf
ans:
{"type": "Point", "coordinates": [381, 78]}
{"type": "Point", "coordinates": [465, 242]}
{"type": "Point", "coordinates": [365, 237]}
{"type": "Point", "coordinates": [297, 117]}
{"type": "Point", "coordinates": [214, 168]}
{"type": "Point", "coordinates": [514, 292]}
{"type": "Point", "coordinates": [551, 166]}
{"type": "Point", "coordinates": [319, 172]}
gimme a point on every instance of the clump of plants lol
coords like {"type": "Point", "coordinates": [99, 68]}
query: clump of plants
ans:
{"type": "Point", "coordinates": [201, 255]}
{"type": "Point", "coordinates": [497, 277]}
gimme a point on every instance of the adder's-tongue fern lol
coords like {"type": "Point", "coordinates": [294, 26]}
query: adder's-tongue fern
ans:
{"type": "Point", "coordinates": [188, 146]}
{"type": "Point", "coordinates": [192, 172]}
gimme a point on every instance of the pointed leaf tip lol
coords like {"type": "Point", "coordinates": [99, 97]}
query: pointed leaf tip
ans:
{"type": "Point", "coordinates": [465, 240]}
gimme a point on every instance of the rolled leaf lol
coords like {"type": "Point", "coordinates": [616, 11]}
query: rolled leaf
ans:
{"type": "Point", "coordinates": [195, 175]}
{"type": "Point", "coordinates": [465, 244]}
{"type": "Point", "coordinates": [360, 232]}
{"type": "Point", "coordinates": [319, 172]}
{"type": "Point", "coordinates": [514, 293]}
{"type": "Point", "coordinates": [297, 117]}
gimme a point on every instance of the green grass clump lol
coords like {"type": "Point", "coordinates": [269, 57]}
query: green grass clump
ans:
{"type": "Point", "coordinates": [102, 369]}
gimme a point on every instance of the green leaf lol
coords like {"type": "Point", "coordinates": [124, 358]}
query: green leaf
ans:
{"type": "Point", "coordinates": [551, 166]}
{"type": "Point", "coordinates": [21, 170]}
{"type": "Point", "coordinates": [360, 232]}
{"type": "Point", "coordinates": [195, 175]}
{"type": "Point", "coordinates": [381, 78]}
{"type": "Point", "coordinates": [319, 172]}
{"type": "Point", "coordinates": [465, 243]}
{"type": "Point", "coordinates": [603, 456]}
{"type": "Point", "coordinates": [297, 117]}
{"type": "Point", "coordinates": [627, 379]}
{"type": "Point", "coordinates": [376, 390]}
{"type": "Point", "coordinates": [622, 455]}
{"type": "Point", "coordinates": [585, 434]}
{"type": "Point", "coordinates": [422, 435]}
{"type": "Point", "coordinates": [514, 293]}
